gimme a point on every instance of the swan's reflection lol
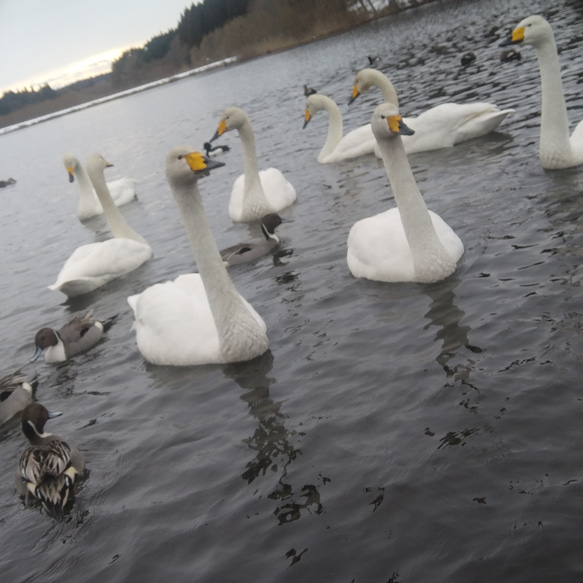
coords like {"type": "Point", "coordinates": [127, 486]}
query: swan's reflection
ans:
{"type": "Point", "coordinates": [271, 440]}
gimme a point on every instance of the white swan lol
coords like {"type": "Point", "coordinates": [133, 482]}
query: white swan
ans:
{"type": "Point", "coordinates": [358, 142]}
{"type": "Point", "coordinates": [122, 190]}
{"type": "Point", "coordinates": [93, 265]}
{"type": "Point", "coordinates": [556, 149]}
{"type": "Point", "coordinates": [198, 318]}
{"type": "Point", "coordinates": [441, 126]}
{"type": "Point", "coordinates": [255, 194]}
{"type": "Point", "coordinates": [407, 243]}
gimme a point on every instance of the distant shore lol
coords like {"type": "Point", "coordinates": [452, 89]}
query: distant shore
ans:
{"type": "Point", "coordinates": [101, 89]}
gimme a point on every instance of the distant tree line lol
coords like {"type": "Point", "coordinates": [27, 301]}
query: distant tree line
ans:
{"type": "Point", "coordinates": [206, 32]}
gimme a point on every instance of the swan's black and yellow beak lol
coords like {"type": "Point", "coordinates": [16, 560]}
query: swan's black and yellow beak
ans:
{"type": "Point", "coordinates": [355, 94]}
{"type": "Point", "coordinates": [398, 126]}
{"type": "Point", "coordinates": [307, 119]}
{"type": "Point", "coordinates": [220, 130]}
{"type": "Point", "coordinates": [200, 164]}
{"type": "Point", "coordinates": [71, 173]}
{"type": "Point", "coordinates": [516, 38]}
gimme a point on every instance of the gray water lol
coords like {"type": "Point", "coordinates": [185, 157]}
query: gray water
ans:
{"type": "Point", "coordinates": [404, 433]}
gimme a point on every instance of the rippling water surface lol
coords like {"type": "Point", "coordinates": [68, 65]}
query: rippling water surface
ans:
{"type": "Point", "coordinates": [401, 433]}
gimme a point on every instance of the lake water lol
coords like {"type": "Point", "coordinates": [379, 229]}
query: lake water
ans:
{"type": "Point", "coordinates": [393, 433]}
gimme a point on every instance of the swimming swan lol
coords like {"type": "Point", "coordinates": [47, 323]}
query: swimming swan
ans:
{"type": "Point", "coordinates": [556, 149]}
{"type": "Point", "coordinates": [198, 318]}
{"type": "Point", "coordinates": [441, 126]}
{"type": "Point", "coordinates": [358, 142]}
{"type": "Point", "coordinates": [255, 194]}
{"type": "Point", "coordinates": [244, 252]}
{"type": "Point", "coordinates": [122, 190]}
{"type": "Point", "coordinates": [48, 469]}
{"type": "Point", "coordinates": [93, 265]}
{"type": "Point", "coordinates": [407, 243]}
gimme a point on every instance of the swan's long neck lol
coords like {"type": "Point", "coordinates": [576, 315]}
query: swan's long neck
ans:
{"type": "Point", "coordinates": [335, 128]}
{"type": "Point", "coordinates": [114, 218]}
{"type": "Point", "coordinates": [232, 317]}
{"type": "Point", "coordinates": [384, 84]}
{"type": "Point", "coordinates": [87, 196]}
{"type": "Point", "coordinates": [554, 130]}
{"type": "Point", "coordinates": [426, 248]}
{"type": "Point", "coordinates": [253, 189]}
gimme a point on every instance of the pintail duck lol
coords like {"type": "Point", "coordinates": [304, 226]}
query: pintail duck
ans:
{"type": "Point", "coordinates": [49, 467]}
{"type": "Point", "coordinates": [77, 336]}
{"type": "Point", "coordinates": [244, 252]}
{"type": "Point", "coordinates": [212, 151]}
{"type": "Point", "coordinates": [16, 392]}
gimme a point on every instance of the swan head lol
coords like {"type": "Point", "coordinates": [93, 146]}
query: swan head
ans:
{"type": "Point", "coordinates": [367, 78]}
{"type": "Point", "coordinates": [184, 165]}
{"type": "Point", "coordinates": [533, 30]}
{"type": "Point", "coordinates": [233, 118]}
{"type": "Point", "coordinates": [96, 162]}
{"type": "Point", "coordinates": [71, 164]}
{"type": "Point", "coordinates": [387, 123]}
{"type": "Point", "coordinates": [314, 104]}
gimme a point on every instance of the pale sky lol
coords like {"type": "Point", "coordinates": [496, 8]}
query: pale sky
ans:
{"type": "Point", "coordinates": [40, 38]}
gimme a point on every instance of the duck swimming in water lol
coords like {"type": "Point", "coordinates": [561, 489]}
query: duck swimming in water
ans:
{"type": "Point", "coordinates": [16, 392]}
{"type": "Point", "coordinates": [244, 252]}
{"type": "Point", "coordinates": [48, 469]}
{"type": "Point", "coordinates": [77, 336]}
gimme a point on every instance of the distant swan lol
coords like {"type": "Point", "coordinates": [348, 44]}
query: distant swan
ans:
{"type": "Point", "coordinates": [557, 149]}
{"type": "Point", "coordinates": [441, 126]}
{"type": "Point", "coordinates": [255, 194]}
{"type": "Point", "coordinates": [358, 142]}
{"type": "Point", "coordinates": [198, 318]}
{"type": "Point", "coordinates": [122, 190]}
{"type": "Point", "coordinates": [93, 265]}
{"type": "Point", "coordinates": [407, 243]}
{"type": "Point", "coordinates": [244, 252]}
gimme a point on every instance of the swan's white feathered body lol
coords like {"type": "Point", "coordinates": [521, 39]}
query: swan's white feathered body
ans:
{"type": "Point", "coordinates": [357, 142]}
{"type": "Point", "coordinates": [557, 149]}
{"type": "Point", "coordinates": [408, 243]}
{"type": "Point", "coordinates": [441, 126]}
{"type": "Point", "coordinates": [122, 190]}
{"type": "Point", "coordinates": [197, 318]}
{"type": "Point", "coordinates": [255, 194]}
{"type": "Point", "coordinates": [92, 266]}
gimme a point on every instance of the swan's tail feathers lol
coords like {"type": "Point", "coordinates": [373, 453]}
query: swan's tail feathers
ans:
{"type": "Point", "coordinates": [482, 124]}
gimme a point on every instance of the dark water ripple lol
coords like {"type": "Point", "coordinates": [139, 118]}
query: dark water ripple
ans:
{"type": "Point", "coordinates": [397, 433]}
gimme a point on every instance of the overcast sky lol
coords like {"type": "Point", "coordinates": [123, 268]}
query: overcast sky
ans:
{"type": "Point", "coordinates": [39, 37]}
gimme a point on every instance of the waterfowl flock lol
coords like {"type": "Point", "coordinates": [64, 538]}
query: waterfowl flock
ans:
{"type": "Point", "coordinates": [201, 318]}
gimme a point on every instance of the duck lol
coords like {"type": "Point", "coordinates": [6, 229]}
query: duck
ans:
{"type": "Point", "coordinates": [49, 468]}
{"type": "Point", "coordinates": [509, 55]}
{"type": "Point", "coordinates": [122, 190]}
{"type": "Point", "coordinates": [255, 194]}
{"type": "Point", "coordinates": [92, 266]}
{"type": "Point", "coordinates": [372, 59]}
{"type": "Point", "coordinates": [468, 58]}
{"type": "Point", "coordinates": [75, 337]}
{"type": "Point", "coordinates": [408, 243]}
{"type": "Point", "coordinates": [309, 91]}
{"type": "Point", "coordinates": [198, 318]}
{"type": "Point", "coordinates": [358, 142]}
{"type": "Point", "coordinates": [556, 148]}
{"type": "Point", "coordinates": [5, 183]}
{"type": "Point", "coordinates": [245, 252]}
{"type": "Point", "coordinates": [212, 151]}
{"type": "Point", "coordinates": [16, 392]}
{"type": "Point", "coordinates": [442, 126]}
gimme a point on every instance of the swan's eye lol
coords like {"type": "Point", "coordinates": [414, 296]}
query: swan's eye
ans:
{"type": "Point", "coordinates": [383, 117]}
{"type": "Point", "coordinates": [180, 156]}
